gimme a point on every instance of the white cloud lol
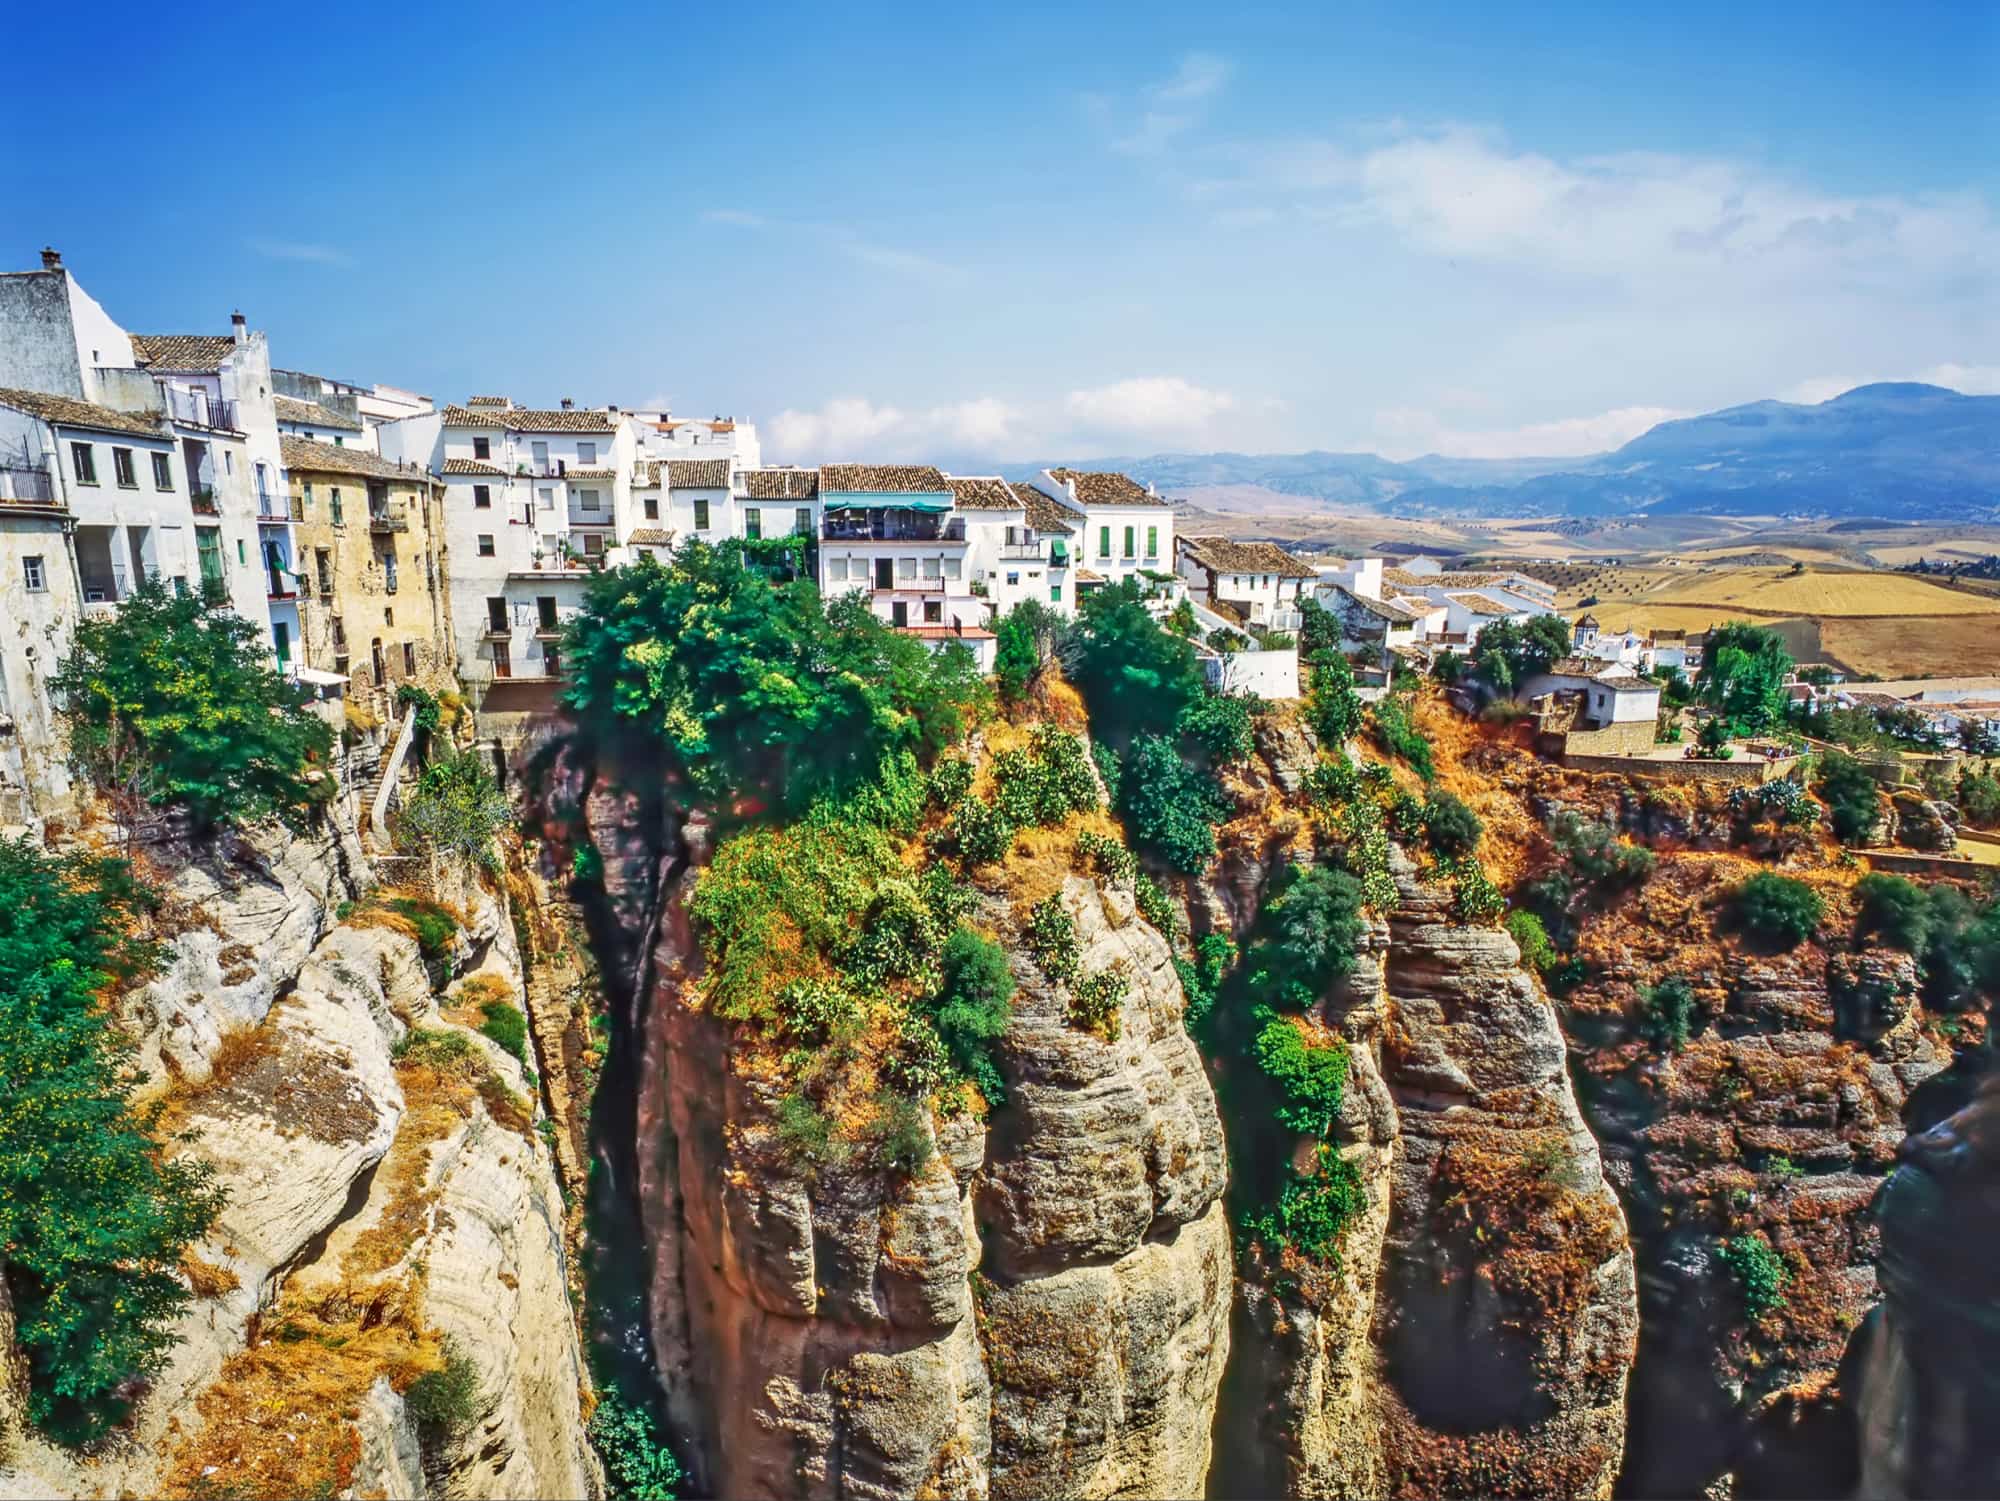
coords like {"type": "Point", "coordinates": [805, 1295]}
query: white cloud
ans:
{"type": "Point", "coordinates": [1407, 432]}
{"type": "Point", "coordinates": [856, 428]}
{"type": "Point", "coordinates": [298, 250]}
{"type": "Point", "coordinates": [1968, 380]}
{"type": "Point", "coordinates": [1148, 406]}
{"type": "Point", "coordinates": [1171, 107]}
{"type": "Point", "coordinates": [1199, 75]}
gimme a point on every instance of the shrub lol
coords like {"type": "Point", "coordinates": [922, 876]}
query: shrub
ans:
{"type": "Point", "coordinates": [506, 1025]}
{"type": "Point", "coordinates": [1095, 1002]}
{"type": "Point", "coordinates": [973, 1006]}
{"type": "Point", "coordinates": [1668, 1010]}
{"type": "Point", "coordinates": [1474, 897]}
{"type": "Point", "coordinates": [1851, 796]}
{"type": "Point", "coordinates": [1760, 1274]}
{"type": "Point", "coordinates": [1170, 807]}
{"type": "Point", "coordinates": [1894, 910]}
{"type": "Point", "coordinates": [1107, 856]}
{"type": "Point", "coordinates": [1398, 735]}
{"type": "Point", "coordinates": [1026, 636]}
{"type": "Point", "coordinates": [1309, 937]}
{"type": "Point", "coordinates": [902, 1134]}
{"type": "Point", "coordinates": [981, 831]}
{"type": "Point", "coordinates": [1045, 784]}
{"type": "Point", "coordinates": [1979, 797]}
{"type": "Point", "coordinates": [429, 712]}
{"type": "Point", "coordinates": [811, 1010]}
{"type": "Point", "coordinates": [1333, 709]}
{"type": "Point", "coordinates": [456, 808]}
{"type": "Point", "coordinates": [1451, 827]}
{"type": "Point", "coordinates": [1532, 938]}
{"type": "Point", "coordinates": [1778, 908]}
{"type": "Point", "coordinates": [1333, 783]}
{"type": "Point", "coordinates": [1156, 906]}
{"type": "Point", "coordinates": [1219, 725]}
{"type": "Point", "coordinates": [806, 1135]}
{"type": "Point", "coordinates": [1313, 1210]}
{"type": "Point", "coordinates": [638, 1465]}
{"type": "Point", "coordinates": [1201, 977]}
{"type": "Point", "coordinates": [1310, 1080]}
{"type": "Point", "coordinates": [446, 1400]}
{"type": "Point", "coordinates": [221, 734]}
{"type": "Point", "coordinates": [1133, 674]}
{"type": "Point", "coordinates": [1597, 857]}
{"type": "Point", "coordinates": [94, 1217]}
{"type": "Point", "coordinates": [1051, 938]}
{"type": "Point", "coordinates": [950, 780]}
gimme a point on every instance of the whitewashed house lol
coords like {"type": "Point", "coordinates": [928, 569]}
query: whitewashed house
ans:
{"type": "Point", "coordinates": [1011, 559]}
{"type": "Point", "coordinates": [334, 420]}
{"type": "Point", "coordinates": [1257, 583]}
{"type": "Point", "coordinates": [661, 435]}
{"type": "Point", "coordinates": [893, 532]}
{"type": "Point", "coordinates": [1612, 709]}
{"type": "Point", "coordinates": [1127, 530]}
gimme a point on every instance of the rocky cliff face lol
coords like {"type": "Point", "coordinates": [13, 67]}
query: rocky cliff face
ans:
{"type": "Point", "coordinates": [382, 1213]}
{"type": "Point", "coordinates": [1478, 1336]}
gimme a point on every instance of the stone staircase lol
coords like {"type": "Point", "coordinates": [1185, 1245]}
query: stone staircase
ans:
{"type": "Point", "coordinates": [375, 808]}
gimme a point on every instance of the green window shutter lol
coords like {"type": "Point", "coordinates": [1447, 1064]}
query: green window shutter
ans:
{"type": "Point", "coordinates": [1130, 534]}
{"type": "Point", "coordinates": [1104, 541]}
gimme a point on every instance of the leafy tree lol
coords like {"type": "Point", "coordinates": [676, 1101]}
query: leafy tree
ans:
{"type": "Point", "coordinates": [1850, 794]}
{"type": "Point", "coordinates": [753, 689]}
{"type": "Point", "coordinates": [1508, 653]}
{"type": "Point", "coordinates": [1135, 676]}
{"type": "Point", "coordinates": [1713, 738]}
{"type": "Point", "coordinates": [1170, 807]}
{"type": "Point", "coordinates": [1333, 708]}
{"type": "Point", "coordinates": [175, 698]}
{"type": "Point", "coordinates": [1532, 938]}
{"type": "Point", "coordinates": [1452, 828]}
{"type": "Point", "coordinates": [457, 808]}
{"type": "Point", "coordinates": [1319, 628]}
{"type": "Point", "coordinates": [1447, 667]}
{"type": "Point", "coordinates": [1894, 910]}
{"type": "Point", "coordinates": [1779, 908]}
{"type": "Point", "coordinates": [93, 1217]}
{"type": "Point", "coordinates": [973, 1005]}
{"type": "Point", "coordinates": [1218, 725]}
{"type": "Point", "coordinates": [1310, 936]}
{"type": "Point", "coordinates": [1979, 797]}
{"type": "Point", "coordinates": [1181, 621]}
{"type": "Point", "coordinates": [1310, 1080]}
{"type": "Point", "coordinates": [1026, 637]}
{"type": "Point", "coordinates": [1742, 677]}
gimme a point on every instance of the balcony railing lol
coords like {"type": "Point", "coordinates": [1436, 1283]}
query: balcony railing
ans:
{"type": "Point", "coordinates": [202, 501]}
{"type": "Point", "coordinates": [1021, 552]}
{"type": "Point", "coordinates": [891, 526]}
{"type": "Point", "coordinates": [276, 508]}
{"type": "Point", "coordinates": [26, 485]}
{"type": "Point", "coordinates": [382, 519]}
{"type": "Point", "coordinates": [912, 586]}
{"type": "Point", "coordinates": [279, 585]}
{"type": "Point", "coordinates": [199, 408]}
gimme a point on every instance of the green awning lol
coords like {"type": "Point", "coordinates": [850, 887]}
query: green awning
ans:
{"type": "Point", "coordinates": [875, 500]}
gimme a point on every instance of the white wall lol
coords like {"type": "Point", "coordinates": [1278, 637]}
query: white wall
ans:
{"type": "Point", "coordinates": [1266, 674]}
{"type": "Point", "coordinates": [35, 633]}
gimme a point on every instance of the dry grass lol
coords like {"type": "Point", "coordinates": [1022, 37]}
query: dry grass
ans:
{"type": "Point", "coordinates": [241, 1052]}
{"type": "Point", "coordinates": [1821, 592]}
{"type": "Point", "coordinates": [205, 1279]}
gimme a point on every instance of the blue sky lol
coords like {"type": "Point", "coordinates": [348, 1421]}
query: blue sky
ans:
{"type": "Point", "coordinates": [1040, 231]}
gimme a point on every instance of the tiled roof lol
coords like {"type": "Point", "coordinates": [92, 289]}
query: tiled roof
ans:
{"type": "Point", "coordinates": [487, 401]}
{"type": "Point", "coordinates": [1479, 604]}
{"type": "Point", "coordinates": [1044, 515]}
{"type": "Point", "coordinates": [576, 474]}
{"type": "Point", "coordinates": [781, 484]}
{"type": "Point", "coordinates": [1221, 555]}
{"type": "Point", "coordinates": [982, 494]}
{"type": "Point", "coordinates": [1105, 488]}
{"type": "Point", "coordinates": [1517, 583]}
{"type": "Point", "coordinates": [886, 479]}
{"type": "Point", "coordinates": [646, 474]}
{"type": "Point", "coordinates": [290, 409]}
{"type": "Point", "coordinates": [304, 455]}
{"type": "Point", "coordinates": [524, 420]}
{"type": "Point", "coordinates": [69, 412]}
{"type": "Point", "coordinates": [1669, 638]}
{"type": "Point", "coordinates": [1586, 622]}
{"type": "Point", "coordinates": [650, 536]}
{"type": "Point", "coordinates": [202, 353]}
{"type": "Point", "coordinates": [1381, 608]}
{"type": "Point", "coordinates": [471, 466]}
{"type": "Point", "coordinates": [698, 474]}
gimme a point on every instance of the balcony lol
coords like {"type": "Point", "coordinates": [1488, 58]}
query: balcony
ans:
{"type": "Point", "coordinates": [383, 519]}
{"type": "Point", "coordinates": [496, 633]}
{"type": "Point", "coordinates": [273, 510]}
{"type": "Point", "coordinates": [27, 486]}
{"type": "Point", "coordinates": [892, 526]}
{"type": "Point", "coordinates": [912, 586]}
{"type": "Point", "coordinates": [1021, 552]}
{"type": "Point", "coordinates": [199, 409]}
{"type": "Point", "coordinates": [202, 501]}
{"type": "Point", "coordinates": [279, 585]}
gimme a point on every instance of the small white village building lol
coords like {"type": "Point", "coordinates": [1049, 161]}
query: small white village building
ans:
{"type": "Point", "coordinates": [893, 532]}
{"type": "Point", "coordinates": [1259, 583]}
{"type": "Point", "coordinates": [1127, 529]}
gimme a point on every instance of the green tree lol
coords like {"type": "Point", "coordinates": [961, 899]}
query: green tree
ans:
{"type": "Point", "coordinates": [638, 1465]}
{"type": "Point", "coordinates": [1532, 938]}
{"type": "Point", "coordinates": [973, 1006]}
{"type": "Point", "coordinates": [457, 808]}
{"type": "Point", "coordinates": [1319, 628]}
{"type": "Point", "coordinates": [1170, 808]}
{"type": "Point", "coordinates": [93, 1216]}
{"type": "Point", "coordinates": [1894, 910]}
{"type": "Point", "coordinates": [1742, 677]}
{"type": "Point", "coordinates": [1026, 637]}
{"type": "Point", "coordinates": [1851, 796]}
{"type": "Point", "coordinates": [1333, 708]}
{"type": "Point", "coordinates": [1451, 827]}
{"type": "Point", "coordinates": [1135, 676]}
{"type": "Point", "coordinates": [1778, 908]}
{"type": "Point", "coordinates": [175, 698]}
{"type": "Point", "coordinates": [1713, 740]}
{"type": "Point", "coordinates": [1509, 653]}
{"type": "Point", "coordinates": [1310, 1080]}
{"type": "Point", "coordinates": [1309, 937]}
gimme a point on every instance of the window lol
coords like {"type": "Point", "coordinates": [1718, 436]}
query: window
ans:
{"type": "Point", "coordinates": [906, 568]}
{"type": "Point", "coordinates": [228, 462]}
{"type": "Point", "coordinates": [836, 570]}
{"type": "Point", "coordinates": [163, 473]}
{"type": "Point", "coordinates": [586, 453]}
{"type": "Point", "coordinates": [503, 660]}
{"type": "Point", "coordinates": [802, 522]}
{"type": "Point", "coordinates": [1130, 535]}
{"type": "Point", "coordinates": [1104, 541]}
{"type": "Point", "coordinates": [933, 612]}
{"type": "Point", "coordinates": [496, 614]}
{"type": "Point", "coordinates": [541, 454]}
{"type": "Point", "coordinates": [587, 499]}
{"type": "Point", "coordinates": [593, 544]}
{"type": "Point", "coordinates": [1055, 595]}
{"type": "Point", "coordinates": [34, 574]}
{"type": "Point", "coordinates": [1152, 541]}
{"type": "Point", "coordinates": [339, 634]}
{"type": "Point", "coordinates": [323, 566]}
{"type": "Point", "coordinates": [338, 441]}
{"type": "Point", "coordinates": [753, 522]}
{"type": "Point", "coordinates": [122, 468]}
{"type": "Point", "coordinates": [486, 544]}
{"type": "Point", "coordinates": [482, 448]}
{"type": "Point", "coordinates": [482, 497]}
{"type": "Point", "coordinates": [208, 550]}
{"type": "Point", "coordinates": [701, 515]}
{"type": "Point", "coordinates": [933, 568]}
{"type": "Point", "coordinates": [546, 497]}
{"type": "Point", "coordinates": [333, 505]}
{"type": "Point", "coordinates": [83, 461]}
{"type": "Point", "coordinates": [241, 556]}
{"type": "Point", "coordinates": [545, 612]}
{"type": "Point", "coordinates": [551, 660]}
{"type": "Point", "coordinates": [409, 659]}
{"type": "Point", "coordinates": [652, 508]}
{"type": "Point", "coordinates": [952, 568]}
{"type": "Point", "coordinates": [1013, 579]}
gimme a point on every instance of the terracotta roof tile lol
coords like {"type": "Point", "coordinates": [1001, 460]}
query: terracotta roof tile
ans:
{"type": "Point", "coordinates": [526, 420]}
{"type": "Point", "coordinates": [69, 412]}
{"type": "Point", "coordinates": [1105, 488]}
{"type": "Point", "coordinates": [1479, 604]}
{"type": "Point", "coordinates": [1223, 556]}
{"type": "Point", "coordinates": [597, 474]}
{"type": "Point", "coordinates": [1044, 514]}
{"type": "Point", "coordinates": [1380, 608]}
{"type": "Point", "coordinates": [471, 466]}
{"type": "Point", "coordinates": [650, 536]}
{"type": "Point", "coordinates": [885, 479]}
{"type": "Point", "coordinates": [982, 494]}
{"type": "Point", "coordinates": [698, 474]}
{"type": "Point", "coordinates": [781, 484]}
{"type": "Point", "coordinates": [202, 353]}
{"type": "Point", "coordinates": [311, 457]}
{"type": "Point", "coordinates": [290, 409]}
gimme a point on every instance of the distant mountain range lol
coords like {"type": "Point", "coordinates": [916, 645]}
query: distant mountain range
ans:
{"type": "Point", "coordinates": [1894, 450]}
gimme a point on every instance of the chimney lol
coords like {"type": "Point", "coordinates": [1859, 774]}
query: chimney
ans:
{"type": "Point", "coordinates": [51, 258]}
{"type": "Point", "coordinates": [568, 404]}
{"type": "Point", "coordinates": [239, 330]}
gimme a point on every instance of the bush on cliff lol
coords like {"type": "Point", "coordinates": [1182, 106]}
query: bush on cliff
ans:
{"type": "Point", "coordinates": [456, 809]}
{"type": "Point", "coordinates": [1310, 1079]}
{"type": "Point", "coordinates": [1760, 1273]}
{"type": "Point", "coordinates": [1333, 708]}
{"type": "Point", "coordinates": [94, 1217]}
{"type": "Point", "coordinates": [973, 1006]}
{"type": "Point", "coordinates": [1777, 908]}
{"type": "Point", "coordinates": [175, 699]}
{"type": "Point", "coordinates": [638, 1465]}
{"type": "Point", "coordinates": [1896, 911]}
{"type": "Point", "coordinates": [1170, 807]}
{"type": "Point", "coordinates": [1025, 640]}
{"type": "Point", "coordinates": [1451, 828]}
{"type": "Point", "coordinates": [1397, 734]}
{"type": "Point", "coordinates": [1309, 937]}
{"type": "Point", "coordinates": [1851, 795]}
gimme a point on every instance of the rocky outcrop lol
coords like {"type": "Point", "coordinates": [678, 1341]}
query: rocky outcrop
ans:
{"type": "Point", "coordinates": [1478, 1335]}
